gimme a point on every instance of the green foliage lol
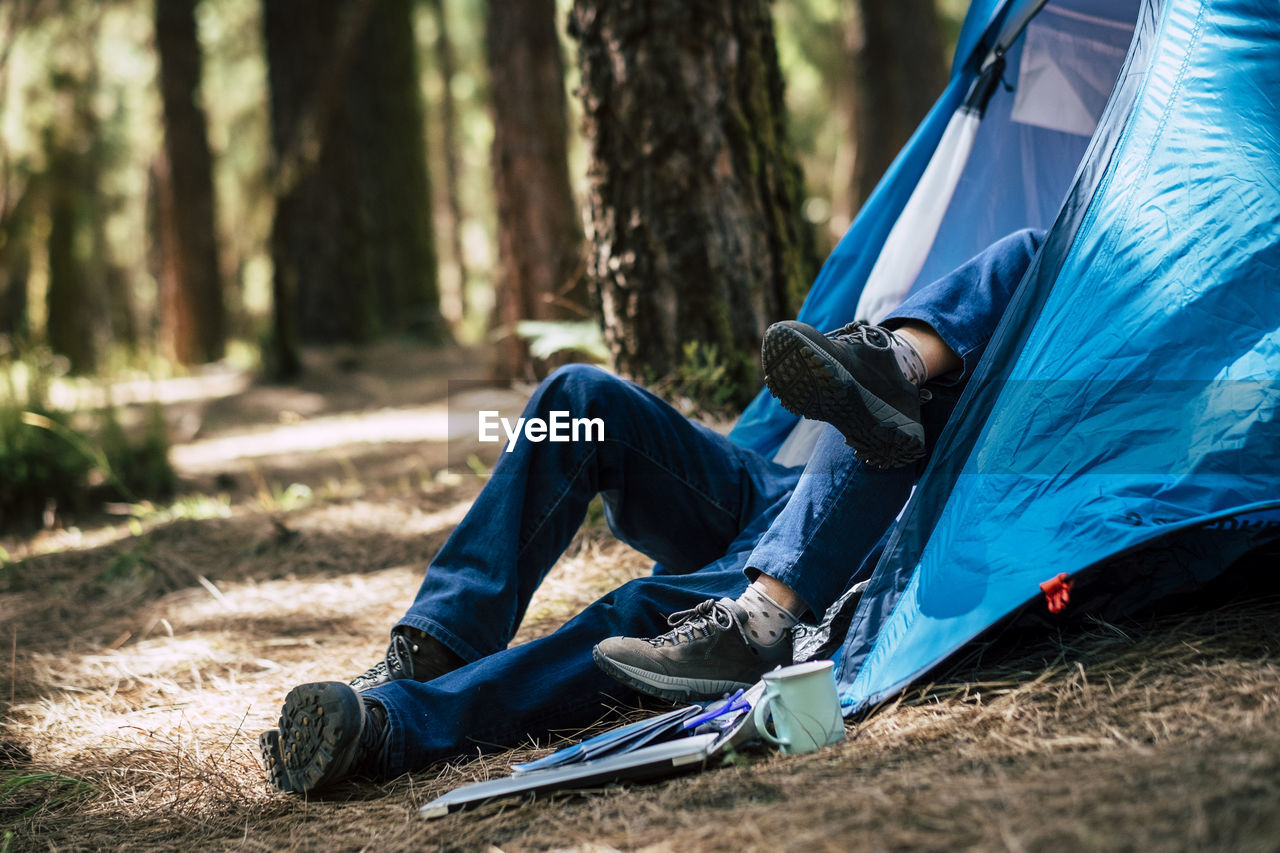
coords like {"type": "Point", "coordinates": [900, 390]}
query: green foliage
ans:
{"type": "Point", "coordinates": [296, 496]}
{"type": "Point", "coordinates": [138, 467]}
{"type": "Point", "coordinates": [128, 573]}
{"type": "Point", "coordinates": [193, 507]}
{"type": "Point", "coordinates": [477, 466]}
{"type": "Point", "coordinates": [273, 498]}
{"type": "Point", "coordinates": [548, 338]}
{"type": "Point", "coordinates": [48, 463]}
{"type": "Point", "coordinates": [37, 466]}
{"type": "Point", "coordinates": [42, 789]}
{"type": "Point", "coordinates": [706, 379]}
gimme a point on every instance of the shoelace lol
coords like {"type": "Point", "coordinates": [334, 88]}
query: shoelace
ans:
{"type": "Point", "coordinates": [873, 336]}
{"type": "Point", "coordinates": [399, 658]}
{"type": "Point", "coordinates": [397, 664]}
{"type": "Point", "coordinates": [689, 624]}
{"type": "Point", "coordinates": [376, 674]}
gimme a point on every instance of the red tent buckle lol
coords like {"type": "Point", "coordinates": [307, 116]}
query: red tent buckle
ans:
{"type": "Point", "coordinates": [1057, 592]}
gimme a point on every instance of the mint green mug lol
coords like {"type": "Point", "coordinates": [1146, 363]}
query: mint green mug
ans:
{"type": "Point", "coordinates": [802, 702]}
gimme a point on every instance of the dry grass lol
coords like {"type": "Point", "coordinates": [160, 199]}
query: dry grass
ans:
{"type": "Point", "coordinates": [139, 667]}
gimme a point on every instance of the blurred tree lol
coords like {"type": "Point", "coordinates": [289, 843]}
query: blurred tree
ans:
{"type": "Point", "coordinates": [77, 324]}
{"type": "Point", "coordinates": [74, 298]}
{"type": "Point", "coordinates": [192, 314]}
{"type": "Point", "coordinates": [901, 70]}
{"type": "Point", "coordinates": [17, 195]}
{"type": "Point", "coordinates": [449, 142]}
{"type": "Point", "coordinates": [352, 240]}
{"type": "Point", "coordinates": [697, 233]}
{"type": "Point", "coordinates": [15, 261]}
{"type": "Point", "coordinates": [539, 236]}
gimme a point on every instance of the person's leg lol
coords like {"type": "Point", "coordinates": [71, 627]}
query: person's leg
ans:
{"type": "Point", "coordinates": [673, 489]}
{"type": "Point", "coordinates": [329, 732]}
{"type": "Point", "coordinates": [545, 685]}
{"type": "Point", "coordinates": [839, 510]}
{"type": "Point", "coordinates": [956, 315]}
{"type": "Point", "coordinates": [840, 507]}
{"type": "Point", "coordinates": [865, 379]}
{"type": "Point", "coordinates": [838, 513]}
{"type": "Point", "coordinates": [804, 560]}
{"type": "Point", "coordinates": [948, 323]}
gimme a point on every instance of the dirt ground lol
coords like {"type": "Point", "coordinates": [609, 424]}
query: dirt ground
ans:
{"type": "Point", "coordinates": [143, 653]}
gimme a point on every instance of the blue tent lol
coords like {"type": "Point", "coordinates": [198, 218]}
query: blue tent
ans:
{"type": "Point", "coordinates": [1122, 429]}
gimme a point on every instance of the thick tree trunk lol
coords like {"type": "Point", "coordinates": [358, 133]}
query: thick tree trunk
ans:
{"type": "Point", "coordinates": [696, 229]}
{"type": "Point", "coordinates": [352, 240]}
{"type": "Point", "coordinates": [539, 236]}
{"type": "Point", "coordinates": [192, 314]}
{"type": "Point", "coordinates": [901, 72]}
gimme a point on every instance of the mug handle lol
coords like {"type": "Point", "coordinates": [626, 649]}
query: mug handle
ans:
{"type": "Point", "coordinates": [760, 719]}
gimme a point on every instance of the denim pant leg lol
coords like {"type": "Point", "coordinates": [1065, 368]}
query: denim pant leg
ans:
{"type": "Point", "coordinates": [673, 489]}
{"type": "Point", "coordinates": [839, 510]}
{"type": "Point", "coordinates": [549, 684]}
{"type": "Point", "coordinates": [965, 306]}
{"type": "Point", "coordinates": [821, 541]}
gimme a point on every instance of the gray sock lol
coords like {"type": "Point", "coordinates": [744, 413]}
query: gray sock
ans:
{"type": "Point", "coordinates": [909, 360]}
{"type": "Point", "coordinates": [767, 620]}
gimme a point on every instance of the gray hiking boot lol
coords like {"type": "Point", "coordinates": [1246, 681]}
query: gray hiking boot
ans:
{"type": "Point", "coordinates": [412, 654]}
{"type": "Point", "coordinates": [850, 379]}
{"type": "Point", "coordinates": [327, 733]}
{"type": "Point", "coordinates": [706, 654]}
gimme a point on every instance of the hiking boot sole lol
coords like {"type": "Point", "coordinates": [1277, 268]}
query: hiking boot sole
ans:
{"type": "Point", "coordinates": [318, 738]}
{"type": "Point", "coordinates": [808, 382]}
{"type": "Point", "coordinates": [273, 761]}
{"type": "Point", "coordinates": [667, 687]}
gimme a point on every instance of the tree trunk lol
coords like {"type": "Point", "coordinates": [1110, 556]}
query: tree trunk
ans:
{"type": "Point", "coordinates": [352, 239]}
{"type": "Point", "coordinates": [192, 314]}
{"type": "Point", "coordinates": [901, 72]}
{"type": "Point", "coordinates": [74, 328]}
{"type": "Point", "coordinates": [449, 142]}
{"type": "Point", "coordinates": [539, 236]}
{"type": "Point", "coordinates": [15, 263]}
{"type": "Point", "coordinates": [696, 227]}
{"type": "Point", "coordinates": [16, 258]}
{"type": "Point", "coordinates": [386, 111]}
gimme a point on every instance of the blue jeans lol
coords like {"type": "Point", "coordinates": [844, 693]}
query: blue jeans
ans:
{"type": "Point", "coordinates": [704, 509]}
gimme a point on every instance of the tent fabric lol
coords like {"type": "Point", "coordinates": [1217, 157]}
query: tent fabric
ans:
{"type": "Point", "coordinates": [1122, 428]}
{"type": "Point", "coordinates": [833, 297]}
{"type": "Point", "coordinates": [1125, 414]}
{"type": "Point", "coordinates": [1016, 178]}
{"type": "Point", "coordinates": [907, 245]}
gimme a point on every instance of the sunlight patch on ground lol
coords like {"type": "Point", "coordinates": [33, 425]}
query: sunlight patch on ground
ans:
{"type": "Point", "coordinates": [431, 423]}
{"type": "Point", "coordinates": [64, 539]}
{"type": "Point", "coordinates": [207, 672]}
{"type": "Point", "coordinates": [214, 382]}
{"type": "Point", "coordinates": [426, 423]}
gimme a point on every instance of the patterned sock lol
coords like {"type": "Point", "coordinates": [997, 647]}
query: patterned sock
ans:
{"type": "Point", "coordinates": [767, 620]}
{"type": "Point", "coordinates": [909, 360]}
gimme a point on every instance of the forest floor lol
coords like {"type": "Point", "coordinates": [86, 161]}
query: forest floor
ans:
{"type": "Point", "coordinates": [142, 656]}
